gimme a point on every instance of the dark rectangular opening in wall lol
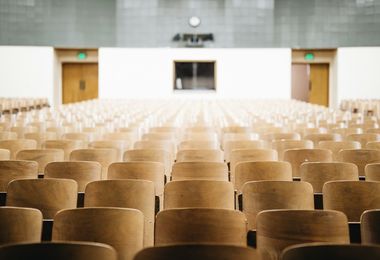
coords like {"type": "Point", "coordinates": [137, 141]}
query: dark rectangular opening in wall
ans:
{"type": "Point", "coordinates": [194, 75]}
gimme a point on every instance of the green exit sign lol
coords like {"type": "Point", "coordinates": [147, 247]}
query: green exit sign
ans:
{"type": "Point", "coordinates": [309, 56]}
{"type": "Point", "coordinates": [81, 55]}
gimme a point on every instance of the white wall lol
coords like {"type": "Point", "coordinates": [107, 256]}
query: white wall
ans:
{"type": "Point", "coordinates": [358, 72]}
{"type": "Point", "coordinates": [26, 72]}
{"type": "Point", "coordinates": [144, 73]}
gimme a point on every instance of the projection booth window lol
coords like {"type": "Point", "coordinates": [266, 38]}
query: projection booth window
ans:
{"type": "Point", "coordinates": [194, 75]}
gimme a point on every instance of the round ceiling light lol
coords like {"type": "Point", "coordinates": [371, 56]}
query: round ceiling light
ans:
{"type": "Point", "coordinates": [194, 21]}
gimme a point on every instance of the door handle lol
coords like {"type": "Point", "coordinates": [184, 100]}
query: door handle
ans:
{"type": "Point", "coordinates": [82, 84]}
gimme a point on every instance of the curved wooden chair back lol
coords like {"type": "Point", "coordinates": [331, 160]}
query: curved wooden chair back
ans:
{"type": "Point", "coordinates": [351, 197]}
{"type": "Point", "coordinates": [199, 171]}
{"type": "Point", "coordinates": [282, 145]}
{"type": "Point", "coordinates": [119, 145]}
{"type": "Point", "coordinates": [199, 194]}
{"type": "Point", "coordinates": [200, 226]}
{"type": "Point", "coordinates": [372, 172]}
{"type": "Point", "coordinates": [227, 137]}
{"type": "Point", "coordinates": [201, 135]}
{"type": "Point", "coordinates": [83, 172]}
{"type": "Point", "coordinates": [128, 138]}
{"type": "Point", "coordinates": [16, 145]}
{"type": "Point", "coordinates": [360, 157]}
{"type": "Point", "coordinates": [59, 251]}
{"type": "Point", "coordinates": [316, 251]}
{"type": "Point", "coordinates": [41, 156]}
{"type": "Point", "coordinates": [190, 145]}
{"type": "Point", "coordinates": [47, 195]}
{"type": "Point", "coordinates": [22, 130]}
{"type": "Point", "coordinates": [40, 138]}
{"type": "Point", "coordinates": [199, 252]}
{"type": "Point", "coordinates": [200, 156]}
{"type": "Point", "coordinates": [159, 136]}
{"type": "Point", "coordinates": [85, 138]}
{"type": "Point", "coordinates": [364, 138]}
{"type": "Point", "coordinates": [261, 171]}
{"type": "Point", "coordinates": [318, 173]}
{"type": "Point", "coordinates": [168, 146]}
{"type": "Point", "coordinates": [20, 225]}
{"type": "Point", "coordinates": [120, 228]}
{"type": "Point", "coordinates": [373, 145]}
{"type": "Point", "coordinates": [278, 229]}
{"type": "Point", "coordinates": [316, 138]}
{"type": "Point", "coordinates": [150, 155]}
{"type": "Point", "coordinates": [250, 155]}
{"type": "Point", "coordinates": [336, 146]}
{"type": "Point", "coordinates": [298, 156]}
{"type": "Point", "coordinates": [135, 194]}
{"type": "Point", "coordinates": [66, 145]}
{"type": "Point", "coordinates": [266, 195]}
{"type": "Point", "coordinates": [229, 146]}
{"type": "Point", "coordinates": [5, 154]}
{"type": "Point", "coordinates": [103, 156]}
{"type": "Point", "coordinates": [8, 135]}
{"type": "Point", "coordinates": [344, 132]}
{"type": "Point", "coordinates": [281, 136]}
{"type": "Point", "coordinates": [13, 170]}
{"type": "Point", "coordinates": [370, 227]}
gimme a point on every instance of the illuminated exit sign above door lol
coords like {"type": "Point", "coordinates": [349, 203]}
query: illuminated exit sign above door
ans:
{"type": "Point", "coordinates": [309, 56]}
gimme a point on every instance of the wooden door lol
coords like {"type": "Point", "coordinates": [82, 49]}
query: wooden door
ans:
{"type": "Point", "coordinates": [300, 81]}
{"type": "Point", "coordinates": [319, 84]}
{"type": "Point", "coordinates": [79, 82]}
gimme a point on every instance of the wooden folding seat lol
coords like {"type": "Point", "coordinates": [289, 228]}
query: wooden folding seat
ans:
{"type": "Point", "coordinates": [20, 225]}
{"type": "Point", "coordinates": [150, 155]}
{"type": "Point", "coordinates": [128, 138]}
{"type": "Point", "coordinates": [5, 126]}
{"type": "Point", "coordinates": [199, 171]}
{"type": "Point", "coordinates": [351, 197]}
{"type": "Point", "coordinates": [261, 171]}
{"type": "Point", "coordinates": [120, 228]}
{"type": "Point", "coordinates": [41, 156]}
{"type": "Point", "coordinates": [83, 172]}
{"type": "Point", "coordinates": [373, 131]}
{"type": "Point", "coordinates": [266, 195]}
{"type": "Point", "coordinates": [165, 129]}
{"type": "Point", "coordinates": [316, 138]}
{"type": "Point", "coordinates": [59, 251]}
{"type": "Point", "coordinates": [372, 172]}
{"type": "Point", "coordinates": [47, 195]}
{"type": "Point", "coordinates": [159, 136]}
{"type": "Point", "coordinates": [282, 145]}
{"type": "Point", "coordinates": [165, 145]}
{"type": "Point", "coordinates": [238, 137]}
{"type": "Point", "coordinates": [200, 226]}
{"type": "Point", "coordinates": [250, 155]}
{"type": "Point", "coordinates": [200, 129]}
{"type": "Point", "coordinates": [202, 155]}
{"type": "Point", "coordinates": [364, 138]}
{"type": "Point", "coordinates": [200, 136]}
{"type": "Point", "coordinates": [85, 138]}
{"type": "Point", "coordinates": [278, 229]}
{"type": "Point", "coordinates": [281, 136]}
{"type": "Point", "coordinates": [22, 130]}
{"type": "Point", "coordinates": [13, 170]}
{"type": "Point", "coordinates": [313, 130]}
{"type": "Point", "coordinates": [16, 145]}
{"type": "Point", "coordinates": [199, 194]}
{"type": "Point", "coordinates": [318, 173]}
{"type": "Point", "coordinates": [66, 145]}
{"type": "Point", "coordinates": [370, 227]}
{"type": "Point", "coordinates": [199, 252]}
{"type": "Point", "coordinates": [118, 145]}
{"type": "Point", "coordinates": [136, 194]}
{"type": "Point", "coordinates": [229, 146]}
{"type": "Point", "coordinates": [41, 138]}
{"type": "Point", "coordinates": [373, 145]}
{"type": "Point", "coordinates": [150, 171]}
{"type": "Point", "coordinates": [336, 146]}
{"type": "Point", "coordinates": [103, 156]}
{"type": "Point", "coordinates": [194, 144]}
{"type": "Point", "coordinates": [236, 129]}
{"type": "Point", "coordinates": [7, 135]}
{"type": "Point", "coordinates": [344, 132]}
{"type": "Point", "coordinates": [298, 156]}
{"type": "Point", "coordinates": [5, 154]}
{"type": "Point", "coordinates": [360, 157]}
{"type": "Point", "coordinates": [328, 251]}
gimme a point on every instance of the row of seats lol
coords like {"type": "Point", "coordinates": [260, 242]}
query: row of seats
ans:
{"type": "Point", "coordinates": [15, 105]}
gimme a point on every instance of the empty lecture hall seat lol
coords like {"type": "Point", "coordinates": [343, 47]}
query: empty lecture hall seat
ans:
{"type": "Point", "coordinates": [119, 145]}
{"type": "Point", "coordinates": [329, 251]}
{"type": "Point", "coordinates": [261, 171]}
{"type": "Point", "coordinates": [278, 229]}
{"type": "Point", "coordinates": [200, 226]}
{"type": "Point", "coordinates": [41, 156]}
{"type": "Point", "coordinates": [66, 145]}
{"type": "Point", "coordinates": [83, 172]}
{"type": "Point", "coordinates": [120, 228]}
{"type": "Point", "coordinates": [166, 145]}
{"type": "Point", "coordinates": [159, 136]}
{"type": "Point", "coordinates": [270, 137]}
{"type": "Point", "coordinates": [8, 135]}
{"type": "Point", "coordinates": [336, 146]}
{"type": "Point", "coordinates": [22, 130]}
{"type": "Point", "coordinates": [364, 138]}
{"type": "Point", "coordinates": [85, 138]}
{"type": "Point", "coordinates": [372, 172]}
{"type": "Point", "coordinates": [199, 194]}
{"type": "Point", "coordinates": [40, 138]}
{"type": "Point", "coordinates": [298, 156]}
{"type": "Point", "coordinates": [103, 156]}
{"type": "Point", "coordinates": [199, 252]}
{"type": "Point", "coordinates": [200, 155]}
{"type": "Point", "coordinates": [360, 157]}
{"type": "Point", "coordinates": [229, 146]}
{"type": "Point", "coordinates": [5, 154]}
{"type": "Point", "coordinates": [194, 144]}
{"type": "Point", "coordinates": [351, 197]}
{"type": "Point", "coordinates": [318, 173]}
{"type": "Point", "coordinates": [47, 195]}
{"type": "Point", "coordinates": [266, 195]}
{"type": "Point", "coordinates": [12, 170]}
{"type": "Point", "coordinates": [282, 145]}
{"type": "Point", "coordinates": [58, 251]}
{"type": "Point", "coordinates": [20, 225]}
{"type": "Point", "coordinates": [136, 194]}
{"type": "Point", "coordinates": [199, 171]}
{"type": "Point", "coordinates": [370, 227]}
{"type": "Point", "coordinates": [228, 137]}
{"type": "Point", "coordinates": [316, 138]}
{"type": "Point", "coordinates": [16, 145]}
{"type": "Point", "coordinates": [373, 145]}
{"type": "Point", "coordinates": [127, 138]}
